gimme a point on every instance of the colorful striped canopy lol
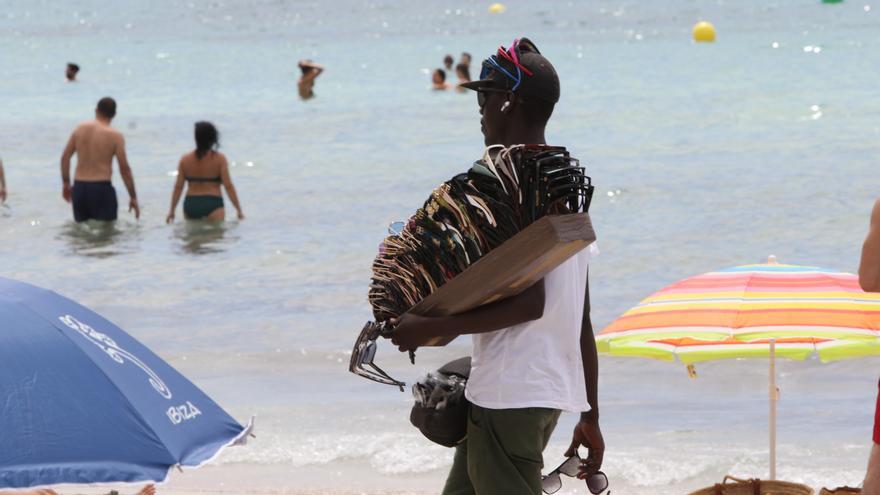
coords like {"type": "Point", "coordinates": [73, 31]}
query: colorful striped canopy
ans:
{"type": "Point", "coordinates": [734, 313]}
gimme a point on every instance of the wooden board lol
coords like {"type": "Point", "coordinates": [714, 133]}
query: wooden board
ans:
{"type": "Point", "coordinates": [511, 267]}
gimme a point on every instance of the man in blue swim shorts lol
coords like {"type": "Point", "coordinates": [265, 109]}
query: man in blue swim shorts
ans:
{"type": "Point", "coordinates": [95, 144]}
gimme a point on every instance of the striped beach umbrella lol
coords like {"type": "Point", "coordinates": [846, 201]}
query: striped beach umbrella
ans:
{"type": "Point", "coordinates": [752, 311]}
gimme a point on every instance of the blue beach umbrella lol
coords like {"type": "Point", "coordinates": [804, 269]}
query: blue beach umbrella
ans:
{"type": "Point", "coordinates": [81, 401]}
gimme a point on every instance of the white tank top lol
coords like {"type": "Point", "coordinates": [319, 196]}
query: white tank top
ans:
{"type": "Point", "coordinates": [538, 363]}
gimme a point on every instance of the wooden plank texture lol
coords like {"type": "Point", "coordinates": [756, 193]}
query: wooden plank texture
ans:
{"type": "Point", "coordinates": [510, 268]}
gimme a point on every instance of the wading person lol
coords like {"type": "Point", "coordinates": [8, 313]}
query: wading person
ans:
{"type": "Point", "coordinates": [534, 354]}
{"type": "Point", "coordinates": [71, 71]}
{"type": "Point", "coordinates": [463, 72]}
{"type": "Point", "coordinates": [95, 144]}
{"type": "Point", "coordinates": [448, 61]}
{"type": "Point", "coordinates": [204, 169]}
{"type": "Point", "coordinates": [438, 80]}
{"type": "Point", "coordinates": [306, 84]}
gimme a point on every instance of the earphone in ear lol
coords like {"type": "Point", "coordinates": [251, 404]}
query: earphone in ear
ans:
{"type": "Point", "coordinates": [505, 106]}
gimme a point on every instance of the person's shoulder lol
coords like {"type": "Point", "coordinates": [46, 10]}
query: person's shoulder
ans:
{"type": "Point", "coordinates": [188, 157]}
{"type": "Point", "coordinates": [875, 213]}
{"type": "Point", "coordinates": [219, 158]}
{"type": "Point", "coordinates": [86, 124]}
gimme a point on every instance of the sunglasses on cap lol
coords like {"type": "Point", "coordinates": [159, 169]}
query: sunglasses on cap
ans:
{"type": "Point", "coordinates": [492, 65]}
{"type": "Point", "coordinates": [510, 55]}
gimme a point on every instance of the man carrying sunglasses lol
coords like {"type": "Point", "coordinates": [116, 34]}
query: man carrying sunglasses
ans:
{"type": "Point", "coordinates": [534, 354]}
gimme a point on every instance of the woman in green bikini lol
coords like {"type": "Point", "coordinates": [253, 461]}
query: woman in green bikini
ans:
{"type": "Point", "coordinates": [205, 169]}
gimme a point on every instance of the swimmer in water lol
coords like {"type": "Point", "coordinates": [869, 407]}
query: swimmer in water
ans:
{"type": "Point", "coordinates": [438, 80]}
{"type": "Point", "coordinates": [463, 72]}
{"type": "Point", "coordinates": [448, 61]}
{"type": "Point", "coordinates": [205, 169]}
{"type": "Point", "coordinates": [465, 59]}
{"type": "Point", "coordinates": [71, 71]}
{"type": "Point", "coordinates": [310, 72]}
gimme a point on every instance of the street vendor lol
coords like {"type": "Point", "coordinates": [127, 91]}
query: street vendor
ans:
{"type": "Point", "coordinates": [534, 354]}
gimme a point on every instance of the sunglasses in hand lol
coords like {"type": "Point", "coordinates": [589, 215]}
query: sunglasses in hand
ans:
{"type": "Point", "coordinates": [364, 352]}
{"type": "Point", "coordinates": [551, 483]}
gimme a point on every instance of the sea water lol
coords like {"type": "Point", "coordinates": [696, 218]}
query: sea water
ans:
{"type": "Point", "coordinates": [703, 155]}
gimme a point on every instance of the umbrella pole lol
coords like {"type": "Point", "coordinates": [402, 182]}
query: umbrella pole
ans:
{"type": "Point", "coordinates": [774, 397]}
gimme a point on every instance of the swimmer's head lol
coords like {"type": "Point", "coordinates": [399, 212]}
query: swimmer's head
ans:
{"type": "Point", "coordinates": [448, 61]}
{"type": "Point", "coordinates": [465, 58]}
{"type": "Point", "coordinates": [207, 138]}
{"type": "Point", "coordinates": [305, 66]}
{"type": "Point", "coordinates": [516, 93]}
{"type": "Point", "coordinates": [106, 108]}
{"type": "Point", "coordinates": [438, 77]}
{"type": "Point", "coordinates": [71, 71]}
{"type": "Point", "coordinates": [463, 72]}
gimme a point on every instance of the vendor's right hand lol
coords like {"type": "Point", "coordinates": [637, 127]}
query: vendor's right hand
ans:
{"type": "Point", "coordinates": [410, 331]}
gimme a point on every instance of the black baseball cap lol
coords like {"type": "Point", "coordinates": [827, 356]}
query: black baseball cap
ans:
{"type": "Point", "coordinates": [519, 68]}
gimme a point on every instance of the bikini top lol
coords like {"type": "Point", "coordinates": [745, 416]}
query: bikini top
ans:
{"type": "Point", "coordinates": [217, 179]}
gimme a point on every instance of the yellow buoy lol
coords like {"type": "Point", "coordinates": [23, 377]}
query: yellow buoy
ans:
{"type": "Point", "coordinates": [497, 8]}
{"type": "Point", "coordinates": [704, 32]}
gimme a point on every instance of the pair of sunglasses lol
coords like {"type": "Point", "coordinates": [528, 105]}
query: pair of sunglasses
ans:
{"type": "Point", "coordinates": [482, 97]}
{"type": "Point", "coordinates": [364, 352]}
{"type": "Point", "coordinates": [551, 483]}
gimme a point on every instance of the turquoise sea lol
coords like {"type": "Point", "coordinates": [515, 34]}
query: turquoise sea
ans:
{"type": "Point", "coordinates": [704, 156]}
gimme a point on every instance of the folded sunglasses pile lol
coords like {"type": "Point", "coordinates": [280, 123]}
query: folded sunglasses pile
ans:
{"type": "Point", "coordinates": [469, 216]}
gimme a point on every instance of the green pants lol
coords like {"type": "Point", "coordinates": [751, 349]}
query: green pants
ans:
{"type": "Point", "coordinates": [503, 453]}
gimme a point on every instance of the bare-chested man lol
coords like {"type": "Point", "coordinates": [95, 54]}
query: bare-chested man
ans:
{"type": "Point", "coordinates": [96, 143]}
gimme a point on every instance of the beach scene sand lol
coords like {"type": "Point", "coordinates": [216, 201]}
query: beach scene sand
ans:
{"type": "Point", "coordinates": [704, 156]}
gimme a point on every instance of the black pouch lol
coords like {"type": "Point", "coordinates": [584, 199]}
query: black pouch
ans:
{"type": "Point", "coordinates": [447, 427]}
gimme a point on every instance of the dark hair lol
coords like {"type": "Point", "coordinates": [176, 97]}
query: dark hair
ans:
{"type": "Point", "coordinates": [466, 54]}
{"type": "Point", "coordinates": [72, 66]}
{"type": "Point", "coordinates": [107, 107]}
{"type": "Point", "coordinates": [442, 74]}
{"type": "Point", "coordinates": [463, 71]}
{"type": "Point", "coordinates": [448, 60]}
{"type": "Point", "coordinates": [207, 138]}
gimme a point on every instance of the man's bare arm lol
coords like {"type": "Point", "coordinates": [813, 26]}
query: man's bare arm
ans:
{"type": "Point", "coordinates": [125, 168]}
{"type": "Point", "coordinates": [412, 330]}
{"type": "Point", "coordinates": [66, 155]}
{"type": "Point", "coordinates": [869, 267]}
{"type": "Point", "coordinates": [127, 176]}
{"type": "Point", "coordinates": [590, 358]}
{"type": "Point", "coordinates": [586, 431]}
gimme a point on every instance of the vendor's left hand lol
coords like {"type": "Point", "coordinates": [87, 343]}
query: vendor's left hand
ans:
{"type": "Point", "coordinates": [410, 331]}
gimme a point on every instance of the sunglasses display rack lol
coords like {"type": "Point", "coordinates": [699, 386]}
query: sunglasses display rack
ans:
{"type": "Point", "coordinates": [483, 235]}
{"type": "Point", "coordinates": [469, 216]}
